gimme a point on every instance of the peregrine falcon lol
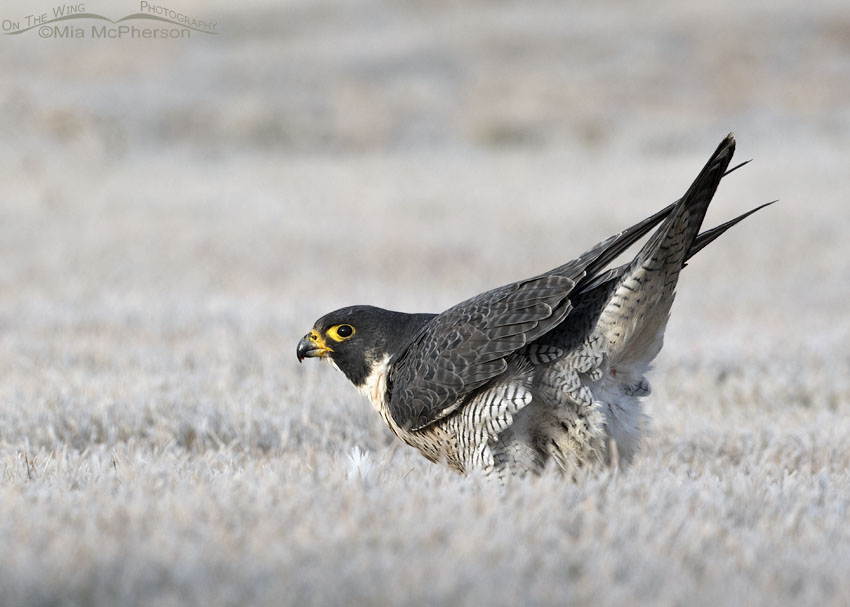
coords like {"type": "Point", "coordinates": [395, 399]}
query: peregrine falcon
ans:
{"type": "Point", "coordinates": [547, 368]}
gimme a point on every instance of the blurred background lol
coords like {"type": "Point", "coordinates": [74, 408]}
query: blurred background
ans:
{"type": "Point", "coordinates": [313, 122]}
{"type": "Point", "coordinates": [324, 77]}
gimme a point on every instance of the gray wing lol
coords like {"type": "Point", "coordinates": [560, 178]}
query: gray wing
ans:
{"type": "Point", "coordinates": [468, 345]}
{"type": "Point", "coordinates": [639, 295]}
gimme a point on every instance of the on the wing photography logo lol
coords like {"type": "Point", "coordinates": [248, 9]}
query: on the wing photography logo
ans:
{"type": "Point", "coordinates": [72, 21]}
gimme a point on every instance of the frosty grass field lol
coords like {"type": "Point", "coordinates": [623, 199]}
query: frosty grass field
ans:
{"type": "Point", "coordinates": [174, 218]}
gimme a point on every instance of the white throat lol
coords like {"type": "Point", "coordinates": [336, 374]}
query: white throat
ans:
{"type": "Point", "coordinates": [375, 385]}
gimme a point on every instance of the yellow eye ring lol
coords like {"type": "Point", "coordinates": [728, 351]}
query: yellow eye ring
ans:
{"type": "Point", "coordinates": [341, 332]}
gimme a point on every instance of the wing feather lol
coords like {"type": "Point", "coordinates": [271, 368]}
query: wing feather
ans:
{"type": "Point", "coordinates": [470, 344]}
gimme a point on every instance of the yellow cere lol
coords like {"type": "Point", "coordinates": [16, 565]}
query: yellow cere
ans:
{"type": "Point", "coordinates": [319, 341]}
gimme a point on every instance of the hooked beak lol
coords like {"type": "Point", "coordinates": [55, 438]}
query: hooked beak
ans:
{"type": "Point", "coordinates": [312, 346]}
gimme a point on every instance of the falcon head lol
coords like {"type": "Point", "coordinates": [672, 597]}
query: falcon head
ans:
{"type": "Point", "coordinates": [358, 339]}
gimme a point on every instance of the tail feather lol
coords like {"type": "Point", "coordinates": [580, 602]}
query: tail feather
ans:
{"type": "Point", "coordinates": [702, 240]}
{"type": "Point", "coordinates": [706, 238]}
{"type": "Point", "coordinates": [608, 250]}
{"type": "Point", "coordinates": [680, 229]}
{"type": "Point", "coordinates": [633, 320]}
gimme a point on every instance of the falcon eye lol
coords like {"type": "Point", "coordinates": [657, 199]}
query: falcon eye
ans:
{"type": "Point", "coordinates": [341, 332]}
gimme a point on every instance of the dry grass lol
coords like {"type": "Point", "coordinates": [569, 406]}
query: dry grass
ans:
{"type": "Point", "coordinates": [159, 443]}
